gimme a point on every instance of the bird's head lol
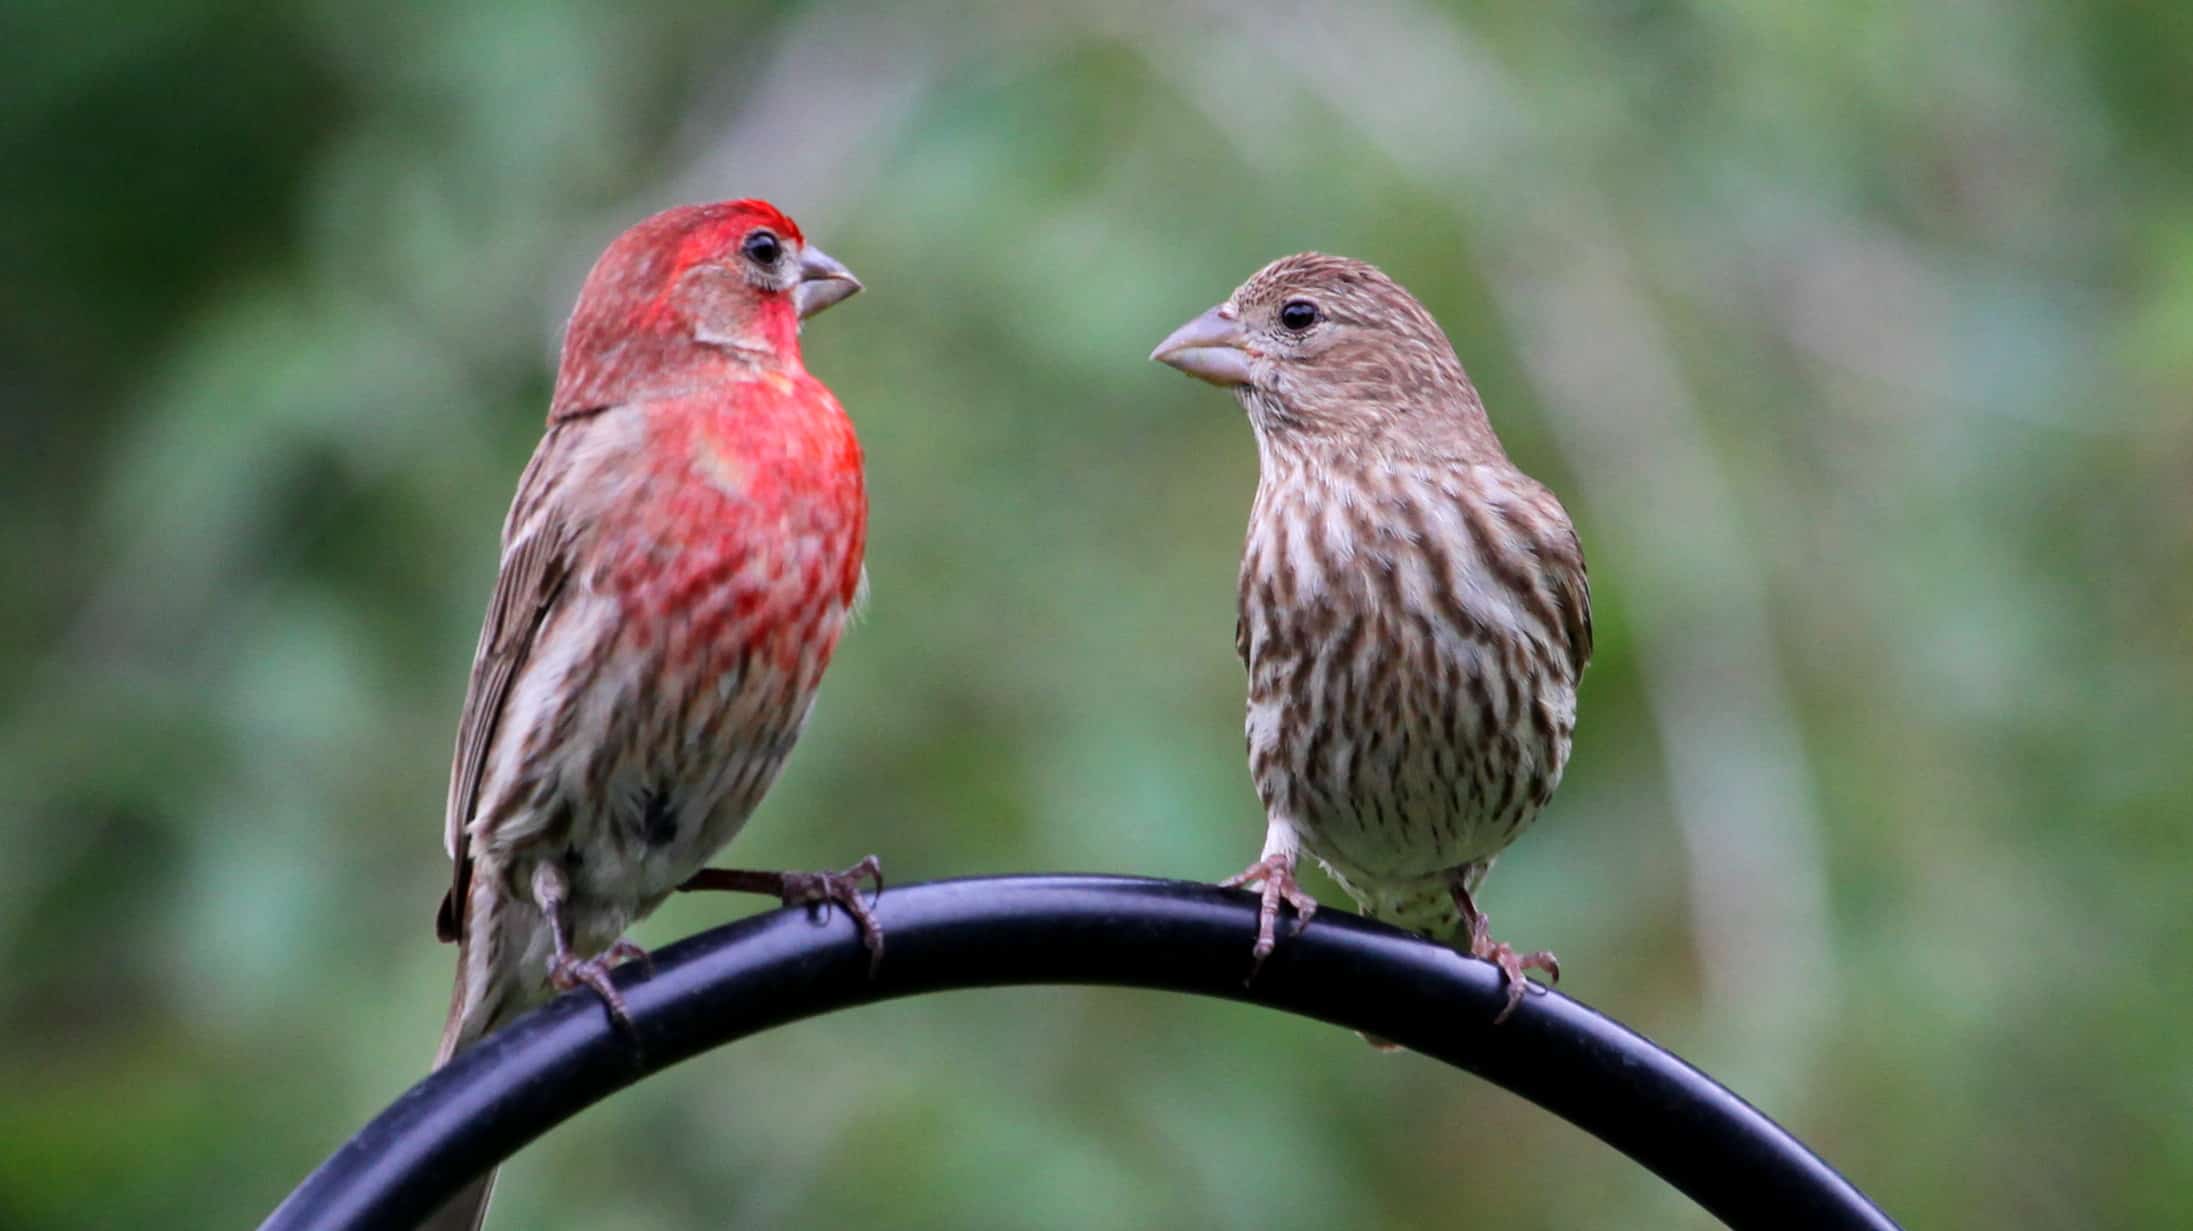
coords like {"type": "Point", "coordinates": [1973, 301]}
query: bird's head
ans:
{"type": "Point", "coordinates": [694, 284]}
{"type": "Point", "coordinates": [1325, 346]}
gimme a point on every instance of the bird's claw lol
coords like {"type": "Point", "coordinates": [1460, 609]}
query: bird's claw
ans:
{"type": "Point", "coordinates": [567, 970]}
{"type": "Point", "coordinates": [842, 888]}
{"type": "Point", "coordinates": [823, 889]}
{"type": "Point", "coordinates": [1275, 875]}
{"type": "Point", "coordinates": [1511, 964]}
{"type": "Point", "coordinates": [625, 951]}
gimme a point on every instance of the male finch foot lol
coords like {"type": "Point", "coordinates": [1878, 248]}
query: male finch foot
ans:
{"type": "Point", "coordinates": [567, 970]}
{"type": "Point", "coordinates": [809, 889]}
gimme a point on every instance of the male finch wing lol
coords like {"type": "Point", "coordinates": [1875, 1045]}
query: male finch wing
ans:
{"type": "Point", "coordinates": [536, 559]}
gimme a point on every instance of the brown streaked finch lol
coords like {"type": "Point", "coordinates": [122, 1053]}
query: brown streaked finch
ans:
{"type": "Point", "coordinates": [1414, 614]}
{"type": "Point", "coordinates": [684, 549]}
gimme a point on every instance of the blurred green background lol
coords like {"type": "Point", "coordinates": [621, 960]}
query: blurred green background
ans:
{"type": "Point", "coordinates": [1857, 337]}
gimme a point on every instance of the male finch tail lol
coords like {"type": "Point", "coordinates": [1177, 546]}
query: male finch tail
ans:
{"type": "Point", "coordinates": [677, 566]}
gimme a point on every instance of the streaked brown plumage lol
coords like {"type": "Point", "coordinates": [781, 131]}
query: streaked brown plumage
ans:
{"type": "Point", "coordinates": [1414, 612]}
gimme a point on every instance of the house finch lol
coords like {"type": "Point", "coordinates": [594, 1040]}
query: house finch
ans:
{"type": "Point", "coordinates": [682, 553]}
{"type": "Point", "coordinates": [1414, 614]}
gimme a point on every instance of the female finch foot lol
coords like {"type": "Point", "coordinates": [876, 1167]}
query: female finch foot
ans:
{"type": "Point", "coordinates": [821, 889]}
{"type": "Point", "coordinates": [1511, 963]}
{"type": "Point", "coordinates": [1276, 875]}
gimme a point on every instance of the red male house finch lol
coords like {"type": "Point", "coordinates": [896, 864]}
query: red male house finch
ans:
{"type": "Point", "coordinates": [682, 553]}
{"type": "Point", "coordinates": [1414, 614]}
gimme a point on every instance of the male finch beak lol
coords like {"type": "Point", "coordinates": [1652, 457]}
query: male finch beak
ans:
{"type": "Point", "coordinates": [1211, 347]}
{"type": "Point", "coordinates": [822, 282]}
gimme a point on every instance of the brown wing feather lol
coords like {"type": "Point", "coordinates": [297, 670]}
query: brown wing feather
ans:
{"type": "Point", "coordinates": [1561, 573]}
{"type": "Point", "coordinates": [536, 559]}
{"type": "Point", "coordinates": [1561, 555]}
{"type": "Point", "coordinates": [1576, 607]}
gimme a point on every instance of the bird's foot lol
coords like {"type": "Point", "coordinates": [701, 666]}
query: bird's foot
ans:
{"type": "Point", "coordinates": [567, 970]}
{"type": "Point", "coordinates": [822, 889]}
{"type": "Point", "coordinates": [1275, 873]}
{"type": "Point", "coordinates": [1512, 965]}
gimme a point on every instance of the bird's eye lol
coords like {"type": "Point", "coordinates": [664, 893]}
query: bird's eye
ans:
{"type": "Point", "coordinates": [762, 248]}
{"type": "Point", "coordinates": [1298, 314]}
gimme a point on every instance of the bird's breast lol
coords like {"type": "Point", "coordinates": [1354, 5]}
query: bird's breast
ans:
{"type": "Point", "coordinates": [1400, 710]}
{"type": "Point", "coordinates": [748, 534]}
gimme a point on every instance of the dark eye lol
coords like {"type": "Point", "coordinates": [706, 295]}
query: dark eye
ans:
{"type": "Point", "coordinates": [1298, 314]}
{"type": "Point", "coordinates": [762, 248]}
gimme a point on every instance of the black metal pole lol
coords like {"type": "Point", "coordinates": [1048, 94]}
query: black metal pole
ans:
{"type": "Point", "coordinates": [781, 967]}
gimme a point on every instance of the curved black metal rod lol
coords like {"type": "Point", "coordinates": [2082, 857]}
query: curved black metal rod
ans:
{"type": "Point", "coordinates": [748, 976]}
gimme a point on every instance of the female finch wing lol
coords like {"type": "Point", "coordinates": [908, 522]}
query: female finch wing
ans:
{"type": "Point", "coordinates": [1573, 585]}
{"type": "Point", "coordinates": [1561, 565]}
{"type": "Point", "coordinates": [537, 544]}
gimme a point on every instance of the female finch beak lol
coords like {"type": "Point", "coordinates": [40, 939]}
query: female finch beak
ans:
{"type": "Point", "coordinates": [822, 282]}
{"type": "Point", "coordinates": [1211, 347]}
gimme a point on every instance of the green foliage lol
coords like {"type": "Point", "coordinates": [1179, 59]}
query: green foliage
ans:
{"type": "Point", "coordinates": [1856, 336]}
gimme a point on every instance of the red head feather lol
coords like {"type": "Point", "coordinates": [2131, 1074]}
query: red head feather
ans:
{"type": "Point", "coordinates": [670, 295]}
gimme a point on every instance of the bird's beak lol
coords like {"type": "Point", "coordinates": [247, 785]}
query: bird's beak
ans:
{"type": "Point", "coordinates": [822, 282]}
{"type": "Point", "coordinates": [1211, 347]}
